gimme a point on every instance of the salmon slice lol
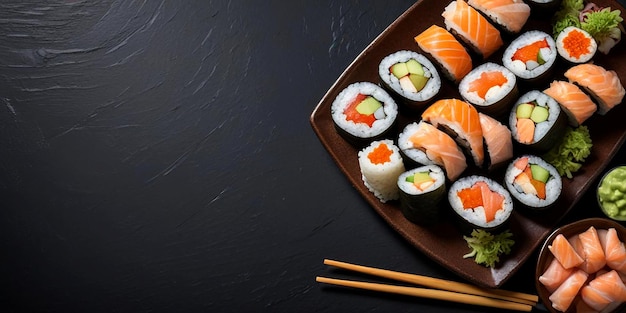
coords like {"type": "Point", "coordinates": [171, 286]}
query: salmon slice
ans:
{"type": "Point", "coordinates": [440, 148]}
{"type": "Point", "coordinates": [564, 295]}
{"type": "Point", "coordinates": [604, 85]}
{"type": "Point", "coordinates": [614, 250]}
{"type": "Point", "coordinates": [576, 104]}
{"type": "Point", "coordinates": [554, 275]}
{"type": "Point", "coordinates": [461, 118]}
{"type": "Point", "coordinates": [486, 81]}
{"type": "Point", "coordinates": [593, 254]}
{"type": "Point", "coordinates": [530, 52]}
{"type": "Point", "coordinates": [472, 26]}
{"type": "Point", "coordinates": [481, 195]}
{"type": "Point", "coordinates": [606, 286]}
{"type": "Point", "coordinates": [511, 14]}
{"type": "Point", "coordinates": [564, 252]}
{"type": "Point", "coordinates": [449, 52]}
{"type": "Point", "coordinates": [497, 139]}
{"type": "Point", "coordinates": [525, 130]}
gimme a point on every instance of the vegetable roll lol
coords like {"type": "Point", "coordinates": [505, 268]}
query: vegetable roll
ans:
{"type": "Point", "coordinates": [535, 183]}
{"type": "Point", "coordinates": [449, 54]}
{"type": "Point", "coordinates": [574, 102]}
{"type": "Point", "coordinates": [423, 144]}
{"type": "Point", "coordinates": [421, 191]}
{"type": "Point", "coordinates": [491, 88]}
{"type": "Point", "coordinates": [575, 45]}
{"type": "Point", "coordinates": [603, 85]}
{"type": "Point", "coordinates": [480, 203]}
{"type": "Point", "coordinates": [363, 112]}
{"type": "Point", "coordinates": [498, 142]}
{"type": "Point", "coordinates": [531, 56]}
{"type": "Point", "coordinates": [410, 76]}
{"type": "Point", "coordinates": [537, 121]}
{"type": "Point", "coordinates": [380, 165]}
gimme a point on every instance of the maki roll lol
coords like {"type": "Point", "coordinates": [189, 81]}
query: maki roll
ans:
{"type": "Point", "coordinates": [531, 56]}
{"type": "Point", "coordinates": [537, 121]}
{"type": "Point", "coordinates": [575, 45]}
{"type": "Point", "coordinates": [380, 165]}
{"type": "Point", "coordinates": [533, 182]}
{"type": "Point", "coordinates": [604, 86]}
{"type": "Point", "coordinates": [473, 28]}
{"type": "Point", "coordinates": [509, 15]}
{"type": "Point", "coordinates": [421, 191]}
{"type": "Point", "coordinates": [491, 88]}
{"type": "Point", "coordinates": [498, 142]}
{"type": "Point", "coordinates": [448, 53]}
{"type": "Point", "coordinates": [480, 203]}
{"type": "Point", "coordinates": [423, 144]}
{"type": "Point", "coordinates": [574, 102]}
{"type": "Point", "coordinates": [460, 120]}
{"type": "Point", "coordinates": [363, 112]}
{"type": "Point", "coordinates": [410, 76]}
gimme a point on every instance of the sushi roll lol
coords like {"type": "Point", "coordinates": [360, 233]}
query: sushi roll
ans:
{"type": "Point", "coordinates": [447, 52]}
{"type": "Point", "coordinates": [537, 121]}
{"type": "Point", "coordinates": [380, 165]}
{"type": "Point", "coordinates": [509, 15]}
{"type": "Point", "coordinates": [363, 112]}
{"type": "Point", "coordinates": [480, 203]}
{"type": "Point", "coordinates": [421, 143]}
{"type": "Point", "coordinates": [460, 120]}
{"type": "Point", "coordinates": [473, 28]}
{"type": "Point", "coordinates": [575, 45]}
{"type": "Point", "coordinates": [491, 88]}
{"type": "Point", "coordinates": [603, 85]}
{"type": "Point", "coordinates": [531, 56]}
{"type": "Point", "coordinates": [574, 102]}
{"type": "Point", "coordinates": [421, 191]}
{"type": "Point", "coordinates": [497, 141]}
{"type": "Point", "coordinates": [535, 183]}
{"type": "Point", "coordinates": [410, 76]}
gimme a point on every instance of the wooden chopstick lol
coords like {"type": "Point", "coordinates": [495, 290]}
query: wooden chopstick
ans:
{"type": "Point", "coordinates": [438, 283]}
{"type": "Point", "coordinates": [430, 294]}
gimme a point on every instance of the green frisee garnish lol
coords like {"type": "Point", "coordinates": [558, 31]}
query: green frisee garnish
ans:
{"type": "Point", "coordinates": [569, 155]}
{"type": "Point", "coordinates": [487, 248]}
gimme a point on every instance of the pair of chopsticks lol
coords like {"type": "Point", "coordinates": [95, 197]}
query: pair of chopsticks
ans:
{"type": "Point", "coordinates": [444, 289]}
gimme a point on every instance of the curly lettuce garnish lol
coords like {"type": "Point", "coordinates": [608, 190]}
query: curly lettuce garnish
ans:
{"type": "Point", "coordinates": [487, 248]}
{"type": "Point", "coordinates": [603, 24]}
{"type": "Point", "coordinates": [568, 156]}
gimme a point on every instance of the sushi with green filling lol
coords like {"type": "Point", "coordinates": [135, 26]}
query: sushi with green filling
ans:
{"type": "Point", "coordinates": [421, 191]}
{"type": "Point", "coordinates": [537, 121]}
{"type": "Point", "coordinates": [535, 183]}
{"type": "Point", "coordinates": [531, 56]}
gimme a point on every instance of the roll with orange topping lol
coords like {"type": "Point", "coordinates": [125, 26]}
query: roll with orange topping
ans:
{"type": "Point", "coordinates": [381, 165]}
{"type": "Point", "coordinates": [576, 45]}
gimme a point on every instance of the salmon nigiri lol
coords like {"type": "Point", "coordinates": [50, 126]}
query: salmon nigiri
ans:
{"type": "Point", "coordinates": [575, 102]}
{"type": "Point", "coordinates": [604, 85]}
{"type": "Point", "coordinates": [461, 118]}
{"type": "Point", "coordinates": [510, 14]}
{"type": "Point", "coordinates": [555, 275]}
{"type": "Point", "coordinates": [446, 50]}
{"type": "Point", "coordinates": [440, 148]}
{"type": "Point", "coordinates": [476, 30]}
{"type": "Point", "coordinates": [564, 252]}
{"type": "Point", "coordinates": [614, 250]}
{"type": "Point", "coordinates": [563, 296]}
{"type": "Point", "coordinates": [498, 142]}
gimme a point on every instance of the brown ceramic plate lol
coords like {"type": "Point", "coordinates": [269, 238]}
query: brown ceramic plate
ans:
{"type": "Point", "coordinates": [444, 242]}
{"type": "Point", "coordinates": [545, 256]}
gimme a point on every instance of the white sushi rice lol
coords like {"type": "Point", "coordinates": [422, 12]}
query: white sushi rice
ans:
{"type": "Point", "coordinates": [593, 46]}
{"type": "Point", "coordinates": [530, 69]}
{"type": "Point", "coordinates": [435, 172]}
{"type": "Point", "coordinates": [476, 216]}
{"type": "Point", "coordinates": [430, 90]}
{"type": "Point", "coordinates": [406, 146]}
{"type": "Point", "coordinates": [541, 129]}
{"type": "Point", "coordinates": [389, 110]}
{"type": "Point", "coordinates": [495, 93]}
{"type": "Point", "coordinates": [554, 185]}
{"type": "Point", "coordinates": [381, 179]}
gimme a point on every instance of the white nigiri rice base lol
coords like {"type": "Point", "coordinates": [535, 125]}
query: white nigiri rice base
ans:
{"type": "Point", "coordinates": [530, 69]}
{"type": "Point", "coordinates": [476, 216]}
{"type": "Point", "coordinates": [554, 185]}
{"type": "Point", "coordinates": [435, 172]}
{"type": "Point", "coordinates": [495, 93]}
{"type": "Point", "coordinates": [431, 88]}
{"type": "Point", "coordinates": [541, 129]}
{"type": "Point", "coordinates": [381, 179]}
{"type": "Point", "coordinates": [361, 130]}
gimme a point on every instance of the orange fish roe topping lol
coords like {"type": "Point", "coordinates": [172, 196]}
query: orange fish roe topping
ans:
{"type": "Point", "coordinates": [487, 80]}
{"type": "Point", "coordinates": [380, 154]}
{"type": "Point", "coordinates": [530, 52]}
{"type": "Point", "coordinates": [576, 44]}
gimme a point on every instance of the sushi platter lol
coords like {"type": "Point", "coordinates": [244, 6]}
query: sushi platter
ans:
{"type": "Point", "coordinates": [443, 241]}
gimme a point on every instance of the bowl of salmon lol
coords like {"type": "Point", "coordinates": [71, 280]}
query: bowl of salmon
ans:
{"type": "Point", "coordinates": [582, 267]}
